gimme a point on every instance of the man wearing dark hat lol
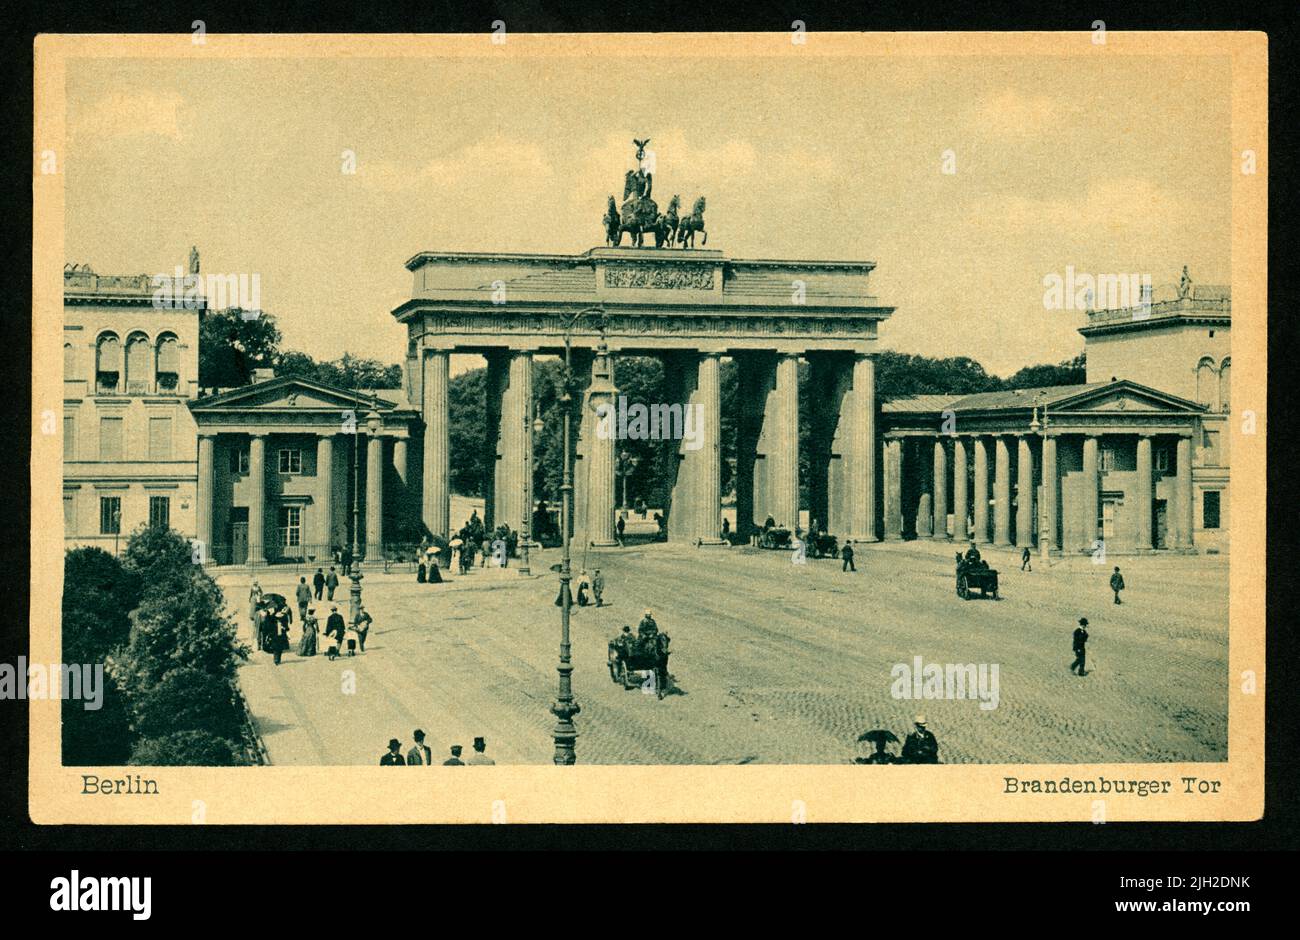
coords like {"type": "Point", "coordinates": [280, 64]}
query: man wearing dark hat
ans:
{"type": "Point", "coordinates": [420, 755]}
{"type": "Point", "coordinates": [1080, 647]}
{"type": "Point", "coordinates": [478, 758]}
{"type": "Point", "coordinates": [454, 760]}
{"type": "Point", "coordinates": [394, 756]}
{"type": "Point", "coordinates": [920, 746]}
{"type": "Point", "coordinates": [335, 627]}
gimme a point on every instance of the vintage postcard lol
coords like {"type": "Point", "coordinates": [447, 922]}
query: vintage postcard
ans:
{"type": "Point", "coordinates": [789, 427]}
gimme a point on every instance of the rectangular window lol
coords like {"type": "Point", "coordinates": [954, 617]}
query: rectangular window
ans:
{"type": "Point", "coordinates": [290, 527]}
{"type": "Point", "coordinates": [160, 438]}
{"type": "Point", "coordinates": [69, 437]}
{"type": "Point", "coordinates": [160, 512]}
{"type": "Point", "coordinates": [291, 461]}
{"type": "Point", "coordinates": [110, 515]}
{"type": "Point", "coordinates": [110, 438]}
{"type": "Point", "coordinates": [1107, 459]}
{"type": "Point", "coordinates": [1162, 459]}
{"type": "Point", "coordinates": [69, 514]}
{"type": "Point", "coordinates": [238, 460]}
{"type": "Point", "coordinates": [1210, 509]}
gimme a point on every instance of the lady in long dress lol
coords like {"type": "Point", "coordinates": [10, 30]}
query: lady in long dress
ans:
{"type": "Point", "coordinates": [435, 576]}
{"type": "Point", "coordinates": [307, 645]}
{"type": "Point", "coordinates": [420, 570]}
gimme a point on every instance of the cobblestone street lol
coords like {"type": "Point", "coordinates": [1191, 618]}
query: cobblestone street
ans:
{"type": "Point", "coordinates": [775, 662]}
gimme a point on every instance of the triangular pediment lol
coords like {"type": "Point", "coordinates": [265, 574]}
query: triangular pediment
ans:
{"type": "Point", "coordinates": [1121, 397]}
{"type": "Point", "coordinates": [295, 394]}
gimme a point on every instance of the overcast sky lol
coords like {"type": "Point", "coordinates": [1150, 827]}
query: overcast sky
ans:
{"type": "Point", "coordinates": [1106, 164]}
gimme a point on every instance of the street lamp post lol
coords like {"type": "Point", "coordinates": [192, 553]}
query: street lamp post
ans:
{"type": "Point", "coordinates": [526, 533]}
{"type": "Point", "coordinates": [565, 707]}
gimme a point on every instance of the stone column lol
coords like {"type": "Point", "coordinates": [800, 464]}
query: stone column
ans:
{"type": "Point", "coordinates": [399, 459]}
{"type": "Point", "coordinates": [257, 500]}
{"type": "Point", "coordinates": [1024, 492]}
{"type": "Point", "coordinates": [1183, 523]}
{"type": "Point", "coordinates": [1002, 493]}
{"type": "Point", "coordinates": [940, 490]}
{"type": "Point", "coordinates": [861, 472]}
{"type": "Point", "coordinates": [1142, 500]}
{"type": "Point", "coordinates": [959, 505]}
{"type": "Point", "coordinates": [706, 477]}
{"type": "Point", "coordinates": [784, 455]}
{"type": "Point", "coordinates": [435, 508]}
{"type": "Point", "coordinates": [325, 494]}
{"type": "Point", "coordinates": [601, 445]}
{"type": "Point", "coordinates": [981, 495]}
{"type": "Point", "coordinates": [203, 497]}
{"type": "Point", "coordinates": [893, 489]}
{"type": "Point", "coordinates": [1088, 495]}
{"type": "Point", "coordinates": [1047, 537]}
{"type": "Point", "coordinates": [375, 499]}
{"type": "Point", "coordinates": [510, 481]}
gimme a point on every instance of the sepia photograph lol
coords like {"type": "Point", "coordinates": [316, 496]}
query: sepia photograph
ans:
{"type": "Point", "coordinates": [842, 425]}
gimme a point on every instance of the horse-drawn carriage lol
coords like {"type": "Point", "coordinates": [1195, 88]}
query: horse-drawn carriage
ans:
{"type": "Point", "coordinates": [774, 537]}
{"type": "Point", "coordinates": [823, 545]}
{"type": "Point", "coordinates": [634, 659]}
{"type": "Point", "coordinates": [976, 576]}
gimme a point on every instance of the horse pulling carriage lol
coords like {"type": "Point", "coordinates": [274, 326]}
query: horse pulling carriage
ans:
{"type": "Point", "coordinates": [633, 660]}
{"type": "Point", "coordinates": [639, 215]}
{"type": "Point", "coordinates": [973, 576]}
{"type": "Point", "coordinates": [774, 537]}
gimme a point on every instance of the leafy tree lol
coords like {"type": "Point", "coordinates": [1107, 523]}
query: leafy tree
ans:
{"type": "Point", "coordinates": [98, 596]}
{"type": "Point", "coordinates": [154, 554]}
{"type": "Point", "coordinates": [189, 699]}
{"type": "Point", "coordinates": [185, 749]}
{"type": "Point", "coordinates": [232, 345]}
{"type": "Point", "coordinates": [1070, 372]}
{"type": "Point", "coordinates": [899, 375]}
{"type": "Point", "coordinates": [348, 372]}
{"type": "Point", "coordinates": [467, 431]}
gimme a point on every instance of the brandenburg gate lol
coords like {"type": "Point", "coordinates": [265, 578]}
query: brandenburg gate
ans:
{"type": "Point", "coordinates": [690, 307]}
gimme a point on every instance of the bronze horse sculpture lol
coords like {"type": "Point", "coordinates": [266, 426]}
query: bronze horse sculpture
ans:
{"type": "Point", "coordinates": [690, 224]}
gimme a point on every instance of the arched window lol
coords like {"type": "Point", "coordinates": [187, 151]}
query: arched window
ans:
{"type": "Point", "coordinates": [169, 363]}
{"type": "Point", "coordinates": [1225, 385]}
{"type": "Point", "coordinates": [1207, 384]}
{"type": "Point", "coordinates": [108, 362]}
{"type": "Point", "coordinates": [69, 361]}
{"type": "Point", "coordinates": [138, 371]}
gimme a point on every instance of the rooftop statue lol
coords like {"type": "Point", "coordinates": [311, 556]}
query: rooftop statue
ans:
{"type": "Point", "coordinates": [639, 214]}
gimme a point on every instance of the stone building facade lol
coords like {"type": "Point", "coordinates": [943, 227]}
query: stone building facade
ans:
{"type": "Point", "coordinates": [130, 368]}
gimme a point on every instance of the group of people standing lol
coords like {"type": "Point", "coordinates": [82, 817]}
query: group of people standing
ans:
{"type": "Point", "coordinates": [421, 756]}
{"type": "Point", "coordinates": [272, 618]}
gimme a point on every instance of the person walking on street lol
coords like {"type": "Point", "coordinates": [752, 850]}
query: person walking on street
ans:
{"type": "Point", "coordinates": [478, 758]}
{"type": "Point", "coordinates": [1117, 583]}
{"type": "Point", "coordinates": [420, 755]}
{"type": "Point", "coordinates": [394, 756]}
{"type": "Point", "coordinates": [362, 627]}
{"type": "Point", "coordinates": [1024, 560]}
{"type": "Point", "coordinates": [280, 638]}
{"type": "Point", "coordinates": [619, 527]}
{"type": "Point", "coordinates": [318, 583]}
{"type": "Point", "coordinates": [598, 587]}
{"type": "Point", "coordinates": [846, 553]}
{"type": "Point", "coordinates": [1080, 647]}
{"type": "Point", "coordinates": [920, 746]}
{"type": "Point", "coordinates": [331, 582]}
{"type": "Point", "coordinates": [303, 593]}
{"type": "Point", "coordinates": [454, 760]}
{"type": "Point", "coordinates": [334, 630]}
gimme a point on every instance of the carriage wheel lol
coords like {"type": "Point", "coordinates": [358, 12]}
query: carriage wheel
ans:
{"type": "Point", "coordinates": [963, 589]}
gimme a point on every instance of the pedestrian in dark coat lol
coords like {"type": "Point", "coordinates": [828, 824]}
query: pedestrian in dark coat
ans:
{"type": "Point", "coordinates": [1080, 647]}
{"type": "Point", "coordinates": [280, 638]}
{"type": "Point", "coordinates": [331, 582]}
{"type": "Point", "coordinates": [1117, 583]}
{"type": "Point", "coordinates": [394, 756]}
{"type": "Point", "coordinates": [420, 572]}
{"type": "Point", "coordinates": [1024, 560]}
{"type": "Point", "coordinates": [318, 582]}
{"type": "Point", "coordinates": [334, 630]}
{"type": "Point", "coordinates": [920, 746]}
{"type": "Point", "coordinates": [846, 553]}
{"type": "Point", "coordinates": [303, 594]}
{"type": "Point", "coordinates": [454, 760]}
